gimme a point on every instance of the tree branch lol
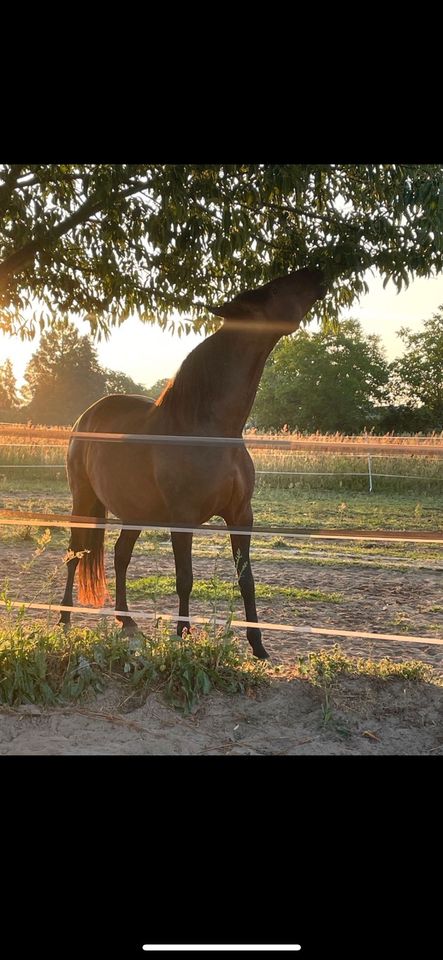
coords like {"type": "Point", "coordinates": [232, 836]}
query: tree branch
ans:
{"type": "Point", "coordinates": [21, 258]}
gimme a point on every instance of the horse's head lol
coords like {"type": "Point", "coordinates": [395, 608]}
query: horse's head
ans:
{"type": "Point", "coordinates": [279, 305]}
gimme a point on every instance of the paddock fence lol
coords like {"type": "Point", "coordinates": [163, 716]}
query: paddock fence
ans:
{"type": "Point", "coordinates": [360, 448]}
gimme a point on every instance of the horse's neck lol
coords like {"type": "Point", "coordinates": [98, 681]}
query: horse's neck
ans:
{"type": "Point", "coordinates": [232, 363]}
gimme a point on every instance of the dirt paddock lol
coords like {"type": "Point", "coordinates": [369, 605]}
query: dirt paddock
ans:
{"type": "Point", "coordinates": [364, 715]}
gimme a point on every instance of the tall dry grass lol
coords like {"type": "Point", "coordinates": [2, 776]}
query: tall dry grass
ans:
{"type": "Point", "coordinates": [392, 439]}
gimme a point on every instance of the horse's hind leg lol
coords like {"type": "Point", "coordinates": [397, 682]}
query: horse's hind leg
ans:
{"type": "Point", "coordinates": [240, 548]}
{"type": "Point", "coordinates": [72, 564]}
{"type": "Point", "coordinates": [122, 555]}
{"type": "Point", "coordinates": [77, 543]}
{"type": "Point", "coordinates": [82, 541]}
{"type": "Point", "coordinates": [182, 547]}
{"type": "Point", "coordinates": [85, 503]}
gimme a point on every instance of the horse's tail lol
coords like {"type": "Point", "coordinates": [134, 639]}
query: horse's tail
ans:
{"type": "Point", "coordinates": [86, 543]}
{"type": "Point", "coordinates": [92, 590]}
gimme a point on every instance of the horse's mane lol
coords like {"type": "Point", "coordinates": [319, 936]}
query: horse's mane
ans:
{"type": "Point", "coordinates": [188, 395]}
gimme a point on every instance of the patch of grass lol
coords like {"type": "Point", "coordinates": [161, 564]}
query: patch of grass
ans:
{"type": "Point", "coordinates": [325, 509]}
{"type": "Point", "coordinates": [156, 586]}
{"type": "Point", "coordinates": [45, 665]}
{"type": "Point", "coordinates": [25, 533]}
{"type": "Point", "coordinates": [315, 507]}
{"type": "Point", "coordinates": [278, 548]}
{"type": "Point", "coordinates": [301, 471]}
{"type": "Point", "coordinates": [326, 666]}
{"type": "Point", "coordinates": [330, 549]}
{"type": "Point", "coordinates": [23, 536]}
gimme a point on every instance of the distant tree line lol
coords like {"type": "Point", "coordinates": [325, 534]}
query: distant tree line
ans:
{"type": "Point", "coordinates": [62, 378]}
{"type": "Point", "coordinates": [327, 381]}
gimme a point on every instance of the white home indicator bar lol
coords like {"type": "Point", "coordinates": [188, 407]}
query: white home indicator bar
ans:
{"type": "Point", "coordinates": [270, 947]}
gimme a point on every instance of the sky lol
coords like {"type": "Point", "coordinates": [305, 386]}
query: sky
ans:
{"type": "Point", "coordinates": [148, 354]}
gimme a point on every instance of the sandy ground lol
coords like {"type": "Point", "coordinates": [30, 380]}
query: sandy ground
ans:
{"type": "Point", "coordinates": [363, 716]}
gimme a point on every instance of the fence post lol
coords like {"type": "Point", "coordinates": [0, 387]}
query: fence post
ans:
{"type": "Point", "coordinates": [370, 472]}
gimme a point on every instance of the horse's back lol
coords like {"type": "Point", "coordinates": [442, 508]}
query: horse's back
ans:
{"type": "Point", "coordinates": [116, 413]}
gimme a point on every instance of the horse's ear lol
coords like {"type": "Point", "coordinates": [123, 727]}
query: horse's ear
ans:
{"type": "Point", "coordinates": [232, 309]}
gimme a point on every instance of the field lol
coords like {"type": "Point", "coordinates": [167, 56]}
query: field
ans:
{"type": "Point", "coordinates": [315, 697]}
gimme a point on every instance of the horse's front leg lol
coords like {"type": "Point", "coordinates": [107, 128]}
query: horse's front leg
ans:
{"type": "Point", "coordinates": [75, 546]}
{"type": "Point", "coordinates": [240, 548]}
{"type": "Point", "coordinates": [182, 547]}
{"type": "Point", "coordinates": [122, 555]}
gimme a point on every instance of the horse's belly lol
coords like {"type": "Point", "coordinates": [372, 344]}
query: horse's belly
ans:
{"type": "Point", "coordinates": [179, 485]}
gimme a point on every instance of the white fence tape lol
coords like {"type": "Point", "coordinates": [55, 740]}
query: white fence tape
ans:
{"type": "Point", "coordinates": [258, 473]}
{"type": "Point", "coordinates": [281, 627]}
{"type": "Point", "coordinates": [48, 520]}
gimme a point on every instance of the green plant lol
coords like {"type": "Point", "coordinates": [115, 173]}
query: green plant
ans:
{"type": "Point", "coordinates": [46, 665]}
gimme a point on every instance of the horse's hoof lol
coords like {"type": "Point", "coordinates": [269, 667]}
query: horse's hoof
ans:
{"type": "Point", "coordinates": [260, 653]}
{"type": "Point", "coordinates": [128, 629]}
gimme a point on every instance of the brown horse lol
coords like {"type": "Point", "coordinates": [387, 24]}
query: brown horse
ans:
{"type": "Point", "coordinates": [183, 484]}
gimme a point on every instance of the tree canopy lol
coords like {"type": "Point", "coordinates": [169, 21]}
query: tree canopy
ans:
{"type": "Point", "coordinates": [108, 240]}
{"type": "Point", "coordinates": [322, 381]}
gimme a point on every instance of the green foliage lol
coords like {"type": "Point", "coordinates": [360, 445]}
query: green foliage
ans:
{"type": "Point", "coordinates": [322, 381]}
{"type": "Point", "coordinates": [402, 417]}
{"type": "Point", "coordinates": [107, 240]}
{"type": "Point", "coordinates": [418, 374]}
{"type": "Point", "coordinates": [40, 664]}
